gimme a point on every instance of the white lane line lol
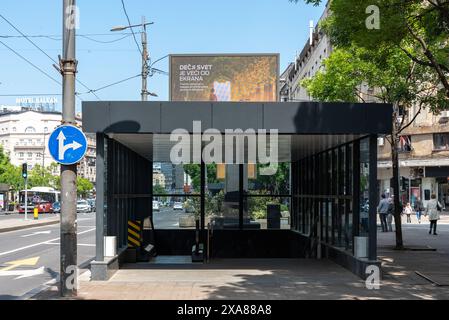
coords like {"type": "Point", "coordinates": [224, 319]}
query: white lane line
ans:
{"type": "Point", "coordinates": [36, 233]}
{"type": "Point", "coordinates": [79, 244]}
{"type": "Point", "coordinates": [39, 243]}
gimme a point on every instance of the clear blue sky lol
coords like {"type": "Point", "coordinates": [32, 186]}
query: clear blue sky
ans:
{"type": "Point", "coordinates": [181, 26]}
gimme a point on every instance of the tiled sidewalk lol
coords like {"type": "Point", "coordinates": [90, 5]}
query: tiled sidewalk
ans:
{"type": "Point", "coordinates": [17, 221]}
{"type": "Point", "coordinates": [247, 279]}
{"type": "Point", "coordinates": [285, 278]}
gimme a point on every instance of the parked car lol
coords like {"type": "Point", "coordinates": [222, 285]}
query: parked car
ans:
{"type": "Point", "coordinates": [56, 207]}
{"type": "Point", "coordinates": [92, 205]}
{"type": "Point", "coordinates": [178, 206]}
{"type": "Point", "coordinates": [156, 205]}
{"type": "Point", "coordinates": [82, 206]}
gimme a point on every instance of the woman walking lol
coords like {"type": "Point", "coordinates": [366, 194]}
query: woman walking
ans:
{"type": "Point", "coordinates": [408, 211]}
{"type": "Point", "coordinates": [433, 208]}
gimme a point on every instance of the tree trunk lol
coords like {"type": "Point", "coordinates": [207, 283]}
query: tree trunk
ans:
{"type": "Point", "coordinates": [395, 164]}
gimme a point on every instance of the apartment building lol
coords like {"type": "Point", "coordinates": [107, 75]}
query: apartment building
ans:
{"type": "Point", "coordinates": [424, 147]}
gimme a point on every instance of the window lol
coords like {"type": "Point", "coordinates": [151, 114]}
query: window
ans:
{"type": "Point", "coordinates": [441, 141]}
{"type": "Point", "coordinates": [13, 129]}
{"type": "Point", "coordinates": [21, 154]}
{"type": "Point", "coordinates": [45, 129]}
{"type": "Point", "coordinates": [30, 130]}
{"type": "Point", "coordinates": [30, 155]}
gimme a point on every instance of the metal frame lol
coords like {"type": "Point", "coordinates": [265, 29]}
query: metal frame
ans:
{"type": "Point", "coordinates": [329, 190]}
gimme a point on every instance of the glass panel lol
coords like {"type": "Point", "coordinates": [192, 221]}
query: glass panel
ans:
{"type": "Point", "coordinates": [364, 187]}
{"type": "Point", "coordinates": [176, 200]}
{"type": "Point", "coordinates": [277, 184]}
{"type": "Point", "coordinates": [175, 212]}
{"type": "Point", "coordinates": [176, 179]}
{"type": "Point", "coordinates": [268, 212]}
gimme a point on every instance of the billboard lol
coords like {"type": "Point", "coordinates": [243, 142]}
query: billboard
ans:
{"type": "Point", "coordinates": [244, 77]}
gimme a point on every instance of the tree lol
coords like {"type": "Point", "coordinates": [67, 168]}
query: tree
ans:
{"type": "Point", "coordinates": [396, 79]}
{"type": "Point", "coordinates": [39, 177]}
{"type": "Point", "coordinates": [419, 28]}
{"type": "Point", "coordinates": [414, 31]}
{"type": "Point", "coordinates": [10, 174]}
{"type": "Point", "coordinates": [83, 186]}
{"type": "Point", "coordinates": [158, 189]}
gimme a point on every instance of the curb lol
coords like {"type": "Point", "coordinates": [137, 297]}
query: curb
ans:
{"type": "Point", "coordinates": [2, 230]}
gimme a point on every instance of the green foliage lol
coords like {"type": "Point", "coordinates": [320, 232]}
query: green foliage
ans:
{"type": "Point", "coordinates": [194, 171]}
{"type": "Point", "coordinates": [420, 29]}
{"type": "Point", "coordinates": [214, 204]}
{"type": "Point", "coordinates": [396, 78]}
{"type": "Point", "coordinates": [159, 190]}
{"type": "Point", "coordinates": [10, 174]}
{"type": "Point", "coordinates": [277, 183]}
{"type": "Point", "coordinates": [83, 186]}
{"type": "Point", "coordinates": [257, 206]}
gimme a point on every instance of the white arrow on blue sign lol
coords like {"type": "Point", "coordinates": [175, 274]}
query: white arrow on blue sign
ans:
{"type": "Point", "coordinates": [67, 144]}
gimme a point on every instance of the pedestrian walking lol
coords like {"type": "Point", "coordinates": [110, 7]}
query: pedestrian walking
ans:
{"type": "Point", "coordinates": [419, 208]}
{"type": "Point", "coordinates": [433, 210]}
{"type": "Point", "coordinates": [408, 212]}
{"type": "Point", "coordinates": [382, 209]}
{"type": "Point", "coordinates": [390, 214]}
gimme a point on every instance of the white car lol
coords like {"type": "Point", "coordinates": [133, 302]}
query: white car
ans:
{"type": "Point", "coordinates": [178, 206]}
{"type": "Point", "coordinates": [155, 205]}
{"type": "Point", "coordinates": [82, 206]}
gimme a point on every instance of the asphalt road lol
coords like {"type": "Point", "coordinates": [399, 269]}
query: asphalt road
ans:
{"type": "Point", "coordinates": [37, 250]}
{"type": "Point", "coordinates": [167, 218]}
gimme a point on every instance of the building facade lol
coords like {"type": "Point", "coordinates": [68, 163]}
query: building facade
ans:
{"type": "Point", "coordinates": [423, 158]}
{"type": "Point", "coordinates": [24, 134]}
{"type": "Point", "coordinates": [306, 64]}
{"type": "Point", "coordinates": [424, 147]}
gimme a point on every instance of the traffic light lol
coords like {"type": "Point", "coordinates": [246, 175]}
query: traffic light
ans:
{"type": "Point", "coordinates": [24, 170]}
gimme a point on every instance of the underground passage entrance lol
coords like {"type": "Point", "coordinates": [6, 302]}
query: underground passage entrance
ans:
{"type": "Point", "coordinates": [243, 180]}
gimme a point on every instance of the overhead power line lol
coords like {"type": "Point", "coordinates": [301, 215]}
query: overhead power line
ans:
{"type": "Point", "coordinates": [30, 63]}
{"type": "Point", "coordinates": [129, 25]}
{"type": "Point", "coordinates": [112, 84]}
{"type": "Point", "coordinates": [46, 54]}
{"type": "Point", "coordinates": [88, 36]}
{"type": "Point", "coordinates": [109, 41]}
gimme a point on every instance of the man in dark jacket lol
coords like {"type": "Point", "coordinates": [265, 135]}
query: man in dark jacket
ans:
{"type": "Point", "coordinates": [419, 208]}
{"type": "Point", "coordinates": [382, 208]}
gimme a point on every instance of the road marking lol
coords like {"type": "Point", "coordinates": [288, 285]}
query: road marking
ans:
{"type": "Point", "coordinates": [36, 233]}
{"type": "Point", "coordinates": [22, 273]}
{"type": "Point", "coordinates": [79, 244]}
{"type": "Point", "coordinates": [23, 262]}
{"type": "Point", "coordinates": [39, 243]}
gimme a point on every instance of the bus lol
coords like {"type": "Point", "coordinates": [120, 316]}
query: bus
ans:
{"type": "Point", "coordinates": [40, 197]}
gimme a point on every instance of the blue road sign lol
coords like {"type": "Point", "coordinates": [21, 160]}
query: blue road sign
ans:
{"type": "Point", "coordinates": [67, 144]}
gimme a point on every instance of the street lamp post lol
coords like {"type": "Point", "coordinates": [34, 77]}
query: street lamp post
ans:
{"type": "Point", "coordinates": [145, 57]}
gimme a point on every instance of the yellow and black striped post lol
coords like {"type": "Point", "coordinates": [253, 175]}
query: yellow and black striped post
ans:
{"type": "Point", "coordinates": [134, 233]}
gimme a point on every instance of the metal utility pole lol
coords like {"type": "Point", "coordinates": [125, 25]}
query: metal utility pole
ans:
{"type": "Point", "coordinates": [145, 59]}
{"type": "Point", "coordinates": [145, 56]}
{"type": "Point", "coordinates": [68, 64]}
